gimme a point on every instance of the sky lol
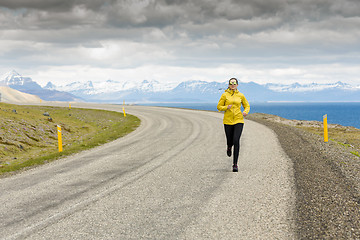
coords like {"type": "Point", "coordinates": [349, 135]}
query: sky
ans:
{"type": "Point", "coordinates": [264, 41]}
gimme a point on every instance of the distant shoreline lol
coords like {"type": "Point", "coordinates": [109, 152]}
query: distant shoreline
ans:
{"type": "Point", "coordinates": [254, 102]}
{"type": "Point", "coordinates": [342, 113]}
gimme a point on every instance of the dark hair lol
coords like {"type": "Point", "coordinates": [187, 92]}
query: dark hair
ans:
{"type": "Point", "coordinates": [235, 80]}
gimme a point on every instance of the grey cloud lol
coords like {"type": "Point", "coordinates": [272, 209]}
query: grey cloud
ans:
{"type": "Point", "coordinates": [162, 13]}
{"type": "Point", "coordinates": [206, 27]}
{"type": "Point", "coordinates": [50, 5]}
{"type": "Point", "coordinates": [73, 37]}
{"type": "Point", "coordinates": [54, 5]}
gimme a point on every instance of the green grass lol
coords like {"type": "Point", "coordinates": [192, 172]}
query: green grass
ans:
{"type": "Point", "coordinates": [28, 138]}
{"type": "Point", "coordinates": [356, 153]}
{"type": "Point", "coordinates": [347, 137]}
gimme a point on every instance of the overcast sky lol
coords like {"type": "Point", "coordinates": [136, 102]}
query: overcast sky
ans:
{"type": "Point", "coordinates": [279, 41]}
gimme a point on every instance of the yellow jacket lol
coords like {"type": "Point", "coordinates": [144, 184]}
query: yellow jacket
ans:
{"type": "Point", "coordinates": [235, 98]}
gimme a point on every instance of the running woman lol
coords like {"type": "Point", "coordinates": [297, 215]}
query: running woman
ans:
{"type": "Point", "coordinates": [230, 102]}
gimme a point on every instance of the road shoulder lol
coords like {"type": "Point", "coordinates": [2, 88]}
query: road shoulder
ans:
{"type": "Point", "coordinates": [327, 199]}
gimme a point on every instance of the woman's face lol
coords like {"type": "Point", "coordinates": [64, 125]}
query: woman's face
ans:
{"type": "Point", "coordinates": [233, 85]}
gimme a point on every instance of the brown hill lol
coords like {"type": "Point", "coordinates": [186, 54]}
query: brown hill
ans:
{"type": "Point", "coordinates": [10, 95]}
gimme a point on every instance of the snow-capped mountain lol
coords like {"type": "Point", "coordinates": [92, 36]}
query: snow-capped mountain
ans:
{"type": "Point", "coordinates": [200, 87]}
{"type": "Point", "coordinates": [111, 86]}
{"type": "Point", "coordinates": [297, 87]}
{"type": "Point", "coordinates": [75, 88]}
{"type": "Point", "coordinates": [14, 78]}
{"type": "Point", "coordinates": [15, 81]}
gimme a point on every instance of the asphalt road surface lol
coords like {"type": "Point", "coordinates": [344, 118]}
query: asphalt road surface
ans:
{"type": "Point", "coordinates": [169, 179]}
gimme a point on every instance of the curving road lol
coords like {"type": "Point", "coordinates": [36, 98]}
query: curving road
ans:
{"type": "Point", "coordinates": [169, 179]}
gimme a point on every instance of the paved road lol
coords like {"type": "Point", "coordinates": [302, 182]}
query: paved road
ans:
{"type": "Point", "coordinates": [169, 179]}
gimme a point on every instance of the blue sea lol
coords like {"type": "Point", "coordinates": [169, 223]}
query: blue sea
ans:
{"type": "Point", "coordinates": [343, 113]}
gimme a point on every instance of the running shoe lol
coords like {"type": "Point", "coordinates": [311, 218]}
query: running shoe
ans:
{"type": "Point", "coordinates": [235, 168]}
{"type": "Point", "coordinates": [228, 152]}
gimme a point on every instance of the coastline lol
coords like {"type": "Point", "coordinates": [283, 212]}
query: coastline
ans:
{"type": "Point", "coordinates": [343, 113]}
{"type": "Point", "coordinates": [327, 181]}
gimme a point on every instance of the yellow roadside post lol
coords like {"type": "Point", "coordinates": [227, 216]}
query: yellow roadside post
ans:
{"type": "Point", "coordinates": [69, 106]}
{"type": "Point", "coordinates": [59, 138]}
{"type": "Point", "coordinates": [325, 128]}
{"type": "Point", "coordinates": [124, 108]}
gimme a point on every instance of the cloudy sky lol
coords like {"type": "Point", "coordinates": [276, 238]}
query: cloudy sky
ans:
{"type": "Point", "coordinates": [279, 41]}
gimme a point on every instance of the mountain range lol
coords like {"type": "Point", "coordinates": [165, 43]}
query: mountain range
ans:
{"type": "Point", "coordinates": [111, 91]}
{"type": "Point", "coordinates": [25, 84]}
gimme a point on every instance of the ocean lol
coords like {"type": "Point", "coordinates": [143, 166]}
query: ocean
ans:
{"type": "Point", "coordinates": [343, 113]}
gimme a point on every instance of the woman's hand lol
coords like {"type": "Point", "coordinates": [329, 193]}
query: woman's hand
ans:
{"type": "Point", "coordinates": [245, 114]}
{"type": "Point", "coordinates": [229, 106]}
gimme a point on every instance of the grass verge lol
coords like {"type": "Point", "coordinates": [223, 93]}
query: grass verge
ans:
{"type": "Point", "coordinates": [28, 134]}
{"type": "Point", "coordinates": [347, 137]}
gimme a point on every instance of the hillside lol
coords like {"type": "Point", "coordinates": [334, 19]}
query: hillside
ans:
{"type": "Point", "coordinates": [28, 134]}
{"type": "Point", "coordinates": [10, 95]}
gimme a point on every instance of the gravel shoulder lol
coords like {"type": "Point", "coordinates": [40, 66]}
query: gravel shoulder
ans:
{"type": "Point", "coordinates": [326, 180]}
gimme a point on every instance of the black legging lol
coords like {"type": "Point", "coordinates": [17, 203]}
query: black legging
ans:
{"type": "Point", "coordinates": [233, 134]}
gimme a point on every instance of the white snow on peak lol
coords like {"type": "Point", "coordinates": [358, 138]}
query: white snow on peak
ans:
{"type": "Point", "coordinates": [76, 85]}
{"type": "Point", "coordinates": [13, 78]}
{"type": "Point", "coordinates": [50, 86]}
{"type": "Point", "coordinates": [297, 87]}
{"type": "Point", "coordinates": [9, 75]}
{"type": "Point", "coordinates": [111, 86]}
